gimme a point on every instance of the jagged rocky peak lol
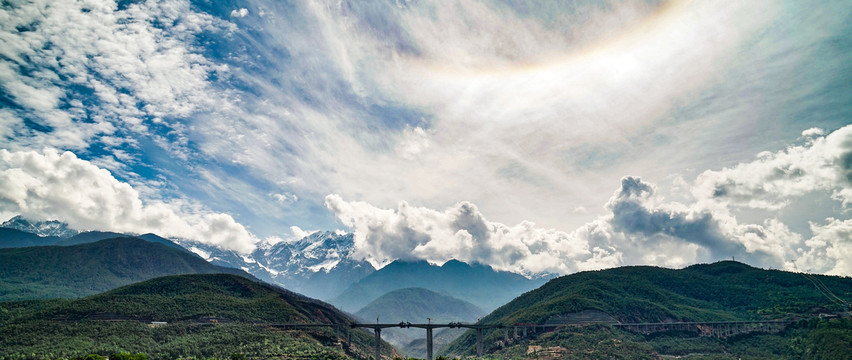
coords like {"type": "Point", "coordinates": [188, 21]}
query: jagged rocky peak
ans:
{"type": "Point", "coordinates": [321, 244]}
{"type": "Point", "coordinates": [40, 228]}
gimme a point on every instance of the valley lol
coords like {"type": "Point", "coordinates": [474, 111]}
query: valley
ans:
{"type": "Point", "coordinates": [129, 296]}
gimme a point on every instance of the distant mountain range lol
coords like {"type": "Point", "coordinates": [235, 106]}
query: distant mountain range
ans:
{"type": "Point", "coordinates": [52, 228]}
{"type": "Point", "coordinates": [478, 284]}
{"type": "Point", "coordinates": [200, 316]}
{"type": "Point", "coordinates": [19, 232]}
{"type": "Point", "coordinates": [85, 269]}
{"type": "Point", "coordinates": [318, 265]}
{"type": "Point", "coordinates": [14, 238]}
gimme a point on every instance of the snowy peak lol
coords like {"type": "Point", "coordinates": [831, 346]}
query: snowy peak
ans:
{"type": "Point", "coordinates": [318, 265]}
{"type": "Point", "coordinates": [40, 228]}
{"type": "Point", "coordinates": [321, 251]}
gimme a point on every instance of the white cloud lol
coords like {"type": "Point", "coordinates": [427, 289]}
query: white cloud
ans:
{"type": "Point", "coordinates": [640, 228]}
{"type": "Point", "coordinates": [299, 234]}
{"type": "Point", "coordinates": [690, 233]}
{"type": "Point", "coordinates": [773, 179]}
{"type": "Point", "coordinates": [829, 250]}
{"type": "Point", "coordinates": [462, 232]}
{"type": "Point", "coordinates": [134, 67]}
{"type": "Point", "coordinates": [53, 185]}
{"type": "Point", "coordinates": [508, 99]}
{"type": "Point", "coordinates": [239, 13]}
{"type": "Point", "coordinates": [285, 198]}
{"type": "Point", "coordinates": [812, 132]}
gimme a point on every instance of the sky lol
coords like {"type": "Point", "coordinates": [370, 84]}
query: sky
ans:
{"type": "Point", "coordinates": [533, 136]}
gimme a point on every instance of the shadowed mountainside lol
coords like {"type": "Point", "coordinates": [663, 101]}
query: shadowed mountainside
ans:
{"type": "Point", "coordinates": [79, 270]}
{"type": "Point", "coordinates": [475, 283]}
{"type": "Point", "coordinates": [207, 315]}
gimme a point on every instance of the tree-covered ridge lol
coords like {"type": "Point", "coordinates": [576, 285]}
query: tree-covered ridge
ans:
{"type": "Point", "coordinates": [85, 269]}
{"type": "Point", "coordinates": [815, 339]}
{"type": "Point", "coordinates": [724, 290]}
{"type": "Point", "coordinates": [208, 315]}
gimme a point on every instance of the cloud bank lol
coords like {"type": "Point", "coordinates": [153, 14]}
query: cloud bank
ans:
{"type": "Point", "coordinates": [640, 226]}
{"type": "Point", "coordinates": [53, 185]}
{"type": "Point", "coordinates": [459, 232]}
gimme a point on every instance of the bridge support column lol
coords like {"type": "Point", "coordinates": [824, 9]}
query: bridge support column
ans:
{"type": "Point", "coordinates": [478, 342]}
{"type": "Point", "coordinates": [378, 344]}
{"type": "Point", "coordinates": [525, 331]}
{"type": "Point", "coordinates": [428, 343]}
{"type": "Point", "coordinates": [506, 335]}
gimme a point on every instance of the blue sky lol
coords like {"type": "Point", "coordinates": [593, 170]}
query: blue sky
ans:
{"type": "Point", "coordinates": [532, 136]}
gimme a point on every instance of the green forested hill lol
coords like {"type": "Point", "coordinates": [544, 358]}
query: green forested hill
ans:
{"type": "Point", "coordinates": [725, 290]}
{"type": "Point", "coordinates": [118, 320]}
{"type": "Point", "coordinates": [71, 271]}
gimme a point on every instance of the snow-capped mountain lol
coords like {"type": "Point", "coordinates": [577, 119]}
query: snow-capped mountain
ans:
{"type": "Point", "coordinates": [318, 265]}
{"type": "Point", "coordinates": [40, 228]}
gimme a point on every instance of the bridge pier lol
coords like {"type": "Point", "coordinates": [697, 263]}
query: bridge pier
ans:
{"type": "Point", "coordinates": [479, 342]}
{"type": "Point", "coordinates": [378, 343]}
{"type": "Point", "coordinates": [428, 343]}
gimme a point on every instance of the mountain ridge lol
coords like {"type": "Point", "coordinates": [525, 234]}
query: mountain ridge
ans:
{"type": "Point", "coordinates": [89, 268]}
{"type": "Point", "coordinates": [478, 284]}
{"type": "Point", "coordinates": [722, 291]}
{"type": "Point", "coordinates": [49, 228]}
{"type": "Point", "coordinates": [318, 265]}
{"type": "Point", "coordinates": [199, 315]}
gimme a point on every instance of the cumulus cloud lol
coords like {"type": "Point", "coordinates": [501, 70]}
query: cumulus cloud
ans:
{"type": "Point", "coordinates": [830, 248]}
{"type": "Point", "coordinates": [639, 228]}
{"type": "Point", "coordinates": [815, 131]}
{"type": "Point", "coordinates": [774, 178]}
{"type": "Point", "coordinates": [243, 12]}
{"type": "Point", "coordinates": [673, 229]}
{"type": "Point", "coordinates": [635, 211]}
{"type": "Point", "coordinates": [461, 232]}
{"type": "Point", "coordinates": [54, 185]}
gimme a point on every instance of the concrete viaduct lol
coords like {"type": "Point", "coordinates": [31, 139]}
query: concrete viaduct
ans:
{"type": "Point", "coordinates": [720, 329]}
